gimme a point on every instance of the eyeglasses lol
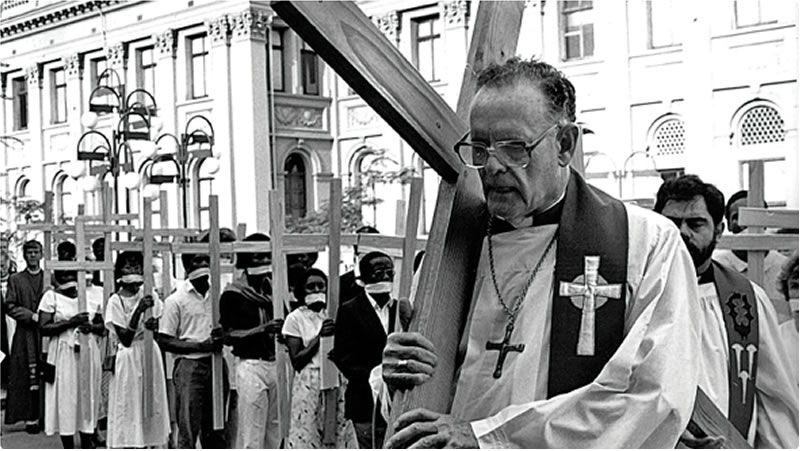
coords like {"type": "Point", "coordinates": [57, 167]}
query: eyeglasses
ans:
{"type": "Point", "coordinates": [511, 153]}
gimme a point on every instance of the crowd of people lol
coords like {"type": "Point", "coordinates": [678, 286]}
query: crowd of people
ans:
{"type": "Point", "coordinates": [48, 388]}
{"type": "Point", "coordinates": [606, 317]}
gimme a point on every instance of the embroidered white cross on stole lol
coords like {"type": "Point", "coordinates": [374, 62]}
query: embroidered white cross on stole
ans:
{"type": "Point", "coordinates": [589, 292]}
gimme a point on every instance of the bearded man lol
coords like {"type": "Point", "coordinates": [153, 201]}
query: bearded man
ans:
{"type": "Point", "coordinates": [746, 370]}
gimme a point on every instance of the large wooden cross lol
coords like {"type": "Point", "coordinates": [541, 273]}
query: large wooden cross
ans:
{"type": "Point", "coordinates": [382, 76]}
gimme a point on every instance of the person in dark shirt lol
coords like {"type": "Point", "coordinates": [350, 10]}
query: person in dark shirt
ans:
{"type": "Point", "coordinates": [247, 321]}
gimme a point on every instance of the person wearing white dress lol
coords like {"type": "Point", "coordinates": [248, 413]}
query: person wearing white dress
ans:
{"type": "Point", "coordinates": [128, 427]}
{"type": "Point", "coordinates": [66, 409]}
{"type": "Point", "coordinates": [303, 330]}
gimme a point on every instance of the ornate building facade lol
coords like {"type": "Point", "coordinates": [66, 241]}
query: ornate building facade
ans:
{"type": "Point", "coordinates": [664, 87]}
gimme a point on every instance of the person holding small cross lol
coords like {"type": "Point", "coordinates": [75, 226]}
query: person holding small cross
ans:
{"type": "Point", "coordinates": [579, 334]}
{"type": "Point", "coordinates": [61, 319]}
{"type": "Point", "coordinates": [186, 329]}
{"type": "Point", "coordinates": [362, 324]}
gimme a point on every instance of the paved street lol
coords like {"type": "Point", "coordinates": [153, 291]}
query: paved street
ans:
{"type": "Point", "coordinates": [15, 437]}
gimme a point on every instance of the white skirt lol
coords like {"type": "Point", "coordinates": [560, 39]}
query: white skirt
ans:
{"type": "Point", "coordinates": [127, 425]}
{"type": "Point", "coordinates": [66, 412]}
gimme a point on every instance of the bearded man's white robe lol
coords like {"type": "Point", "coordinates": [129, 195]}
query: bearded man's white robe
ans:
{"type": "Point", "coordinates": [642, 398]}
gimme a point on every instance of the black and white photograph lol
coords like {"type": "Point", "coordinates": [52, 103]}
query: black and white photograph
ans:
{"type": "Point", "coordinates": [367, 224]}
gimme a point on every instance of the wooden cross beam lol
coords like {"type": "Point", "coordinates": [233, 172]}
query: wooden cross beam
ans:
{"type": "Point", "coordinates": [280, 292]}
{"type": "Point", "coordinates": [756, 218]}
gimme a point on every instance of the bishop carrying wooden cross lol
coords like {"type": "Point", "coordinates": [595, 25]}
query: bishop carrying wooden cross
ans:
{"type": "Point", "coordinates": [513, 165]}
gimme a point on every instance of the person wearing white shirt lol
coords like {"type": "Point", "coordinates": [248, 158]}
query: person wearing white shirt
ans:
{"type": "Point", "coordinates": [185, 329]}
{"type": "Point", "coordinates": [303, 329]}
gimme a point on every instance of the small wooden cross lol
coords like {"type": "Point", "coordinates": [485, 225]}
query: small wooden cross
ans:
{"type": "Point", "coordinates": [588, 295]}
{"type": "Point", "coordinates": [504, 347]}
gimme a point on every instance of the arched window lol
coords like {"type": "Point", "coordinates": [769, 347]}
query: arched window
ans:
{"type": "Point", "coordinates": [668, 138]}
{"type": "Point", "coordinates": [66, 197]}
{"type": "Point", "coordinates": [295, 186]}
{"type": "Point", "coordinates": [21, 189]}
{"type": "Point", "coordinates": [760, 124]}
{"type": "Point", "coordinates": [203, 187]}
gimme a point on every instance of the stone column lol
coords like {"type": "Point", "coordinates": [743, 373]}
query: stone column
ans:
{"type": "Point", "coordinates": [73, 68]}
{"type": "Point", "coordinates": [700, 153]}
{"type": "Point", "coordinates": [222, 119]}
{"type": "Point", "coordinates": [455, 21]}
{"type": "Point", "coordinates": [615, 80]}
{"type": "Point", "coordinates": [33, 75]}
{"type": "Point", "coordinates": [791, 155]}
{"type": "Point", "coordinates": [254, 155]}
{"type": "Point", "coordinates": [116, 59]}
{"type": "Point", "coordinates": [165, 52]}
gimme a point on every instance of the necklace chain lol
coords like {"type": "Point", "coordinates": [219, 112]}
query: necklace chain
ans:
{"type": "Point", "coordinates": [512, 311]}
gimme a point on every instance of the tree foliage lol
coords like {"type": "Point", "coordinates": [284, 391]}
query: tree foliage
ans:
{"type": "Point", "coordinates": [354, 199]}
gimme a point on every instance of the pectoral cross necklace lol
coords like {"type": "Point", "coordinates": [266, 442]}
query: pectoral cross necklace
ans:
{"type": "Point", "coordinates": [505, 346]}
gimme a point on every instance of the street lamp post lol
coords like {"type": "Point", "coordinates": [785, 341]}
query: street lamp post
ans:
{"type": "Point", "coordinates": [195, 143]}
{"type": "Point", "coordinates": [134, 115]}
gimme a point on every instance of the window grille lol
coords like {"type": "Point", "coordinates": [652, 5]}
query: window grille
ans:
{"type": "Point", "coordinates": [761, 125]}
{"type": "Point", "coordinates": [669, 138]}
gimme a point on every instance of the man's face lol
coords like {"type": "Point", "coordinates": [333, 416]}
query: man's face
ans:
{"type": "Point", "coordinates": [517, 112]}
{"type": "Point", "coordinates": [97, 249]}
{"type": "Point", "coordinates": [32, 256]}
{"type": "Point", "coordinates": [381, 269]}
{"type": "Point", "coordinates": [696, 225]}
{"type": "Point", "coordinates": [733, 220]}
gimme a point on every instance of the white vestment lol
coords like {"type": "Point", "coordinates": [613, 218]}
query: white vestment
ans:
{"type": "Point", "coordinates": [774, 423]}
{"type": "Point", "coordinates": [643, 397]}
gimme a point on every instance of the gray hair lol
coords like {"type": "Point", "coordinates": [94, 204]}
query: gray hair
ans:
{"type": "Point", "coordinates": [559, 92]}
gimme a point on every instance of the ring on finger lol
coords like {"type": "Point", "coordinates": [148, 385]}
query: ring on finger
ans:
{"type": "Point", "coordinates": [403, 363]}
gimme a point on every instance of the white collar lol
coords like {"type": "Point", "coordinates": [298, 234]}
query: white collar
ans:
{"type": "Point", "coordinates": [32, 272]}
{"type": "Point", "coordinates": [189, 288]}
{"type": "Point", "coordinates": [375, 305]}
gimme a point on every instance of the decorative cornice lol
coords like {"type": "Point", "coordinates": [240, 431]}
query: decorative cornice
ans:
{"type": "Point", "coordinates": [250, 24]}
{"type": "Point", "coordinates": [115, 54]}
{"type": "Point", "coordinates": [389, 25]}
{"type": "Point", "coordinates": [456, 12]}
{"type": "Point", "coordinates": [166, 43]}
{"type": "Point", "coordinates": [12, 27]}
{"type": "Point", "coordinates": [217, 30]}
{"type": "Point", "coordinates": [34, 75]}
{"type": "Point", "coordinates": [72, 65]}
